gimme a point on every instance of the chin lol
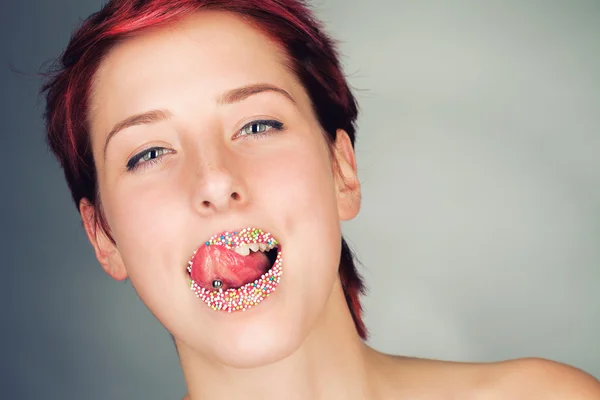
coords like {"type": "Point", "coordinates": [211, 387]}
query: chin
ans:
{"type": "Point", "coordinates": [272, 330]}
{"type": "Point", "coordinates": [256, 341]}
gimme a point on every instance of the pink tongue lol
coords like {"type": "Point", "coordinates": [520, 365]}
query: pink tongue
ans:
{"type": "Point", "coordinates": [234, 270]}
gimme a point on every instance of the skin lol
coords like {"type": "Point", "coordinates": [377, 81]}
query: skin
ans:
{"type": "Point", "coordinates": [301, 343]}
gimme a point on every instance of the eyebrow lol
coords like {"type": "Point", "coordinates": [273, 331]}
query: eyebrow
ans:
{"type": "Point", "coordinates": [148, 117]}
{"type": "Point", "coordinates": [229, 97]}
{"type": "Point", "coordinates": [239, 94]}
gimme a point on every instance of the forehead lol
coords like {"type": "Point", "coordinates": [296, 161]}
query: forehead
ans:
{"type": "Point", "coordinates": [199, 57]}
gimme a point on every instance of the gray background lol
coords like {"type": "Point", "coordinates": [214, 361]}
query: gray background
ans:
{"type": "Point", "coordinates": [479, 154]}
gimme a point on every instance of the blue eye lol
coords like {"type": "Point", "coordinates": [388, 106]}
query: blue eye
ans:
{"type": "Point", "coordinates": [147, 156]}
{"type": "Point", "coordinates": [256, 129]}
{"type": "Point", "coordinates": [260, 127]}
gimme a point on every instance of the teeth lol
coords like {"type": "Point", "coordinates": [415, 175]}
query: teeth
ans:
{"type": "Point", "coordinates": [245, 249]}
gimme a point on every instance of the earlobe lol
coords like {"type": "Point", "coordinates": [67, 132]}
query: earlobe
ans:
{"type": "Point", "coordinates": [346, 177]}
{"type": "Point", "coordinates": [106, 251]}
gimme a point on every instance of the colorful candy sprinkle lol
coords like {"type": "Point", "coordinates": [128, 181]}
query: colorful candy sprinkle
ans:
{"type": "Point", "coordinates": [250, 294]}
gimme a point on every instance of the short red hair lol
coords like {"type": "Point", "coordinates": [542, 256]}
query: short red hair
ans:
{"type": "Point", "coordinates": [311, 55]}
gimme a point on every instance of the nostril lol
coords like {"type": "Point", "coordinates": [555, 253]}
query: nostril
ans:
{"type": "Point", "coordinates": [206, 203]}
{"type": "Point", "coordinates": [235, 196]}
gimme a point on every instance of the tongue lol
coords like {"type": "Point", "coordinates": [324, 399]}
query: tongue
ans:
{"type": "Point", "coordinates": [217, 262]}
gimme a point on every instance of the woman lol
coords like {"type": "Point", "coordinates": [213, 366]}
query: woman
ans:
{"type": "Point", "coordinates": [208, 146]}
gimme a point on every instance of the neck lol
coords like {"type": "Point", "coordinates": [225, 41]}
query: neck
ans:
{"type": "Point", "coordinates": [332, 363]}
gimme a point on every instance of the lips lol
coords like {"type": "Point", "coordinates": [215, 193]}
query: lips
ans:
{"type": "Point", "coordinates": [235, 271]}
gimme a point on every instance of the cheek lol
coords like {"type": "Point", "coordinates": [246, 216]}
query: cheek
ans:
{"type": "Point", "coordinates": [141, 214]}
{"type": "Point", "coordinates": [303, 197]}
{"type": "Point", "coordinates": [300, 187]}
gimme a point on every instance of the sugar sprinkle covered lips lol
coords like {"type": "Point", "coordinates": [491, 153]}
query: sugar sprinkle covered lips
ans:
{"type": "Point", "coordinates": [235, 271]}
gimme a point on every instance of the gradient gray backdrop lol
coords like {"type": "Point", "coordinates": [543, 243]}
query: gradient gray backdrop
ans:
{"type": "Point", "coordinates": [479, 154]}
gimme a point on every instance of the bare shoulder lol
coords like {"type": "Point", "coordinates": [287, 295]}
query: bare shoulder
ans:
{"type": "Point", "coordinates": [528, 378]}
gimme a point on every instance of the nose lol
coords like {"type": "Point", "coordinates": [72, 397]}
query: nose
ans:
{"type": "Point", "coordinates": [218, 189]}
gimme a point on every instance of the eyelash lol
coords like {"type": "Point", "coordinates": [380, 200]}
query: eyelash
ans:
{"type": "Point", "coordinates": [134, 162]}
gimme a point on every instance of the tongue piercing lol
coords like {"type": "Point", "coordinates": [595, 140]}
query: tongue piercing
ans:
{"type": "Point", "coordinates": [249, 295]}
{"type": "Point", "coordinates": [244, 297]}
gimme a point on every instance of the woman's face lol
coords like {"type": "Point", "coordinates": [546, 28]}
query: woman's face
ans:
{"type": "Point", "coordinates": [204, 177]}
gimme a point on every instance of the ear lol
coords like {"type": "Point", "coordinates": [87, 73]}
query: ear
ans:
{"type": "Point", "coordinates": [106, 251]}
{"type": "Point", "coordinates": [346, 178]}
